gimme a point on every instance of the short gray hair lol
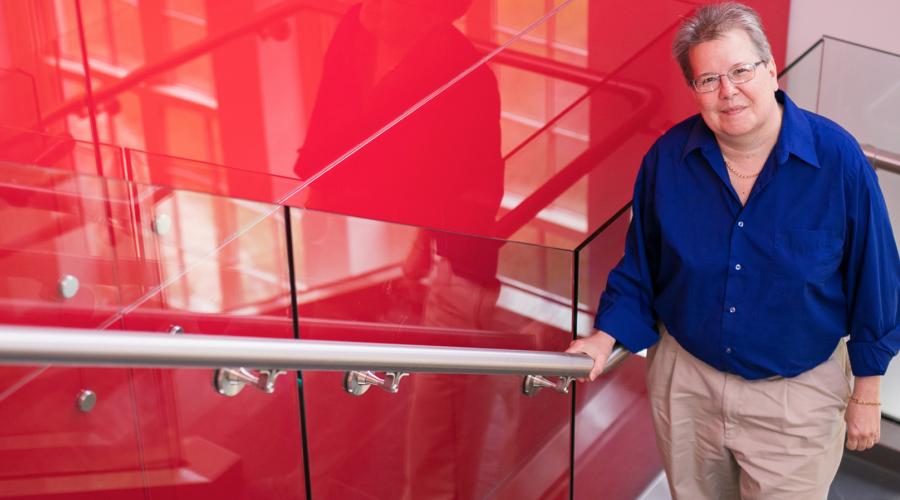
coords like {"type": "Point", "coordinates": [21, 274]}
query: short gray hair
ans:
{"type": "Point", "coordinates": [710, 22]}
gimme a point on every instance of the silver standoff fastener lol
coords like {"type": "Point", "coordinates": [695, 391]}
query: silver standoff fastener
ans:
{"type": "Point", "coordinates": [161, 224]}
{"type": "Point", "coordinates": [358, 382]}
{"type": "Point", "coordinates": [68, 286]}
{"type": "Point", "coordinates": [87, 399]}
{"type": "Point", "coordinates": [231, 381]}
{"type": "Point", "coordinates": [532, 384]}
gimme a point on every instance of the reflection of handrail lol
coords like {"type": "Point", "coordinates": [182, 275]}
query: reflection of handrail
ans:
{"type": "Point", "coordinates": [571, 173]}
{"type": "Point", "coordinates": [510, 221]}
{"type": "Point", "coordinates": [179, 57]}
{"type": "Point", "coordinates": [204, 46]}
{"type": "Point", "coordinates": [556, 69]}
{"type": "Point", "coordinates": [568, 72]}
{"type": "Point", "coordinates": [882, 160]}
{"type": "Point", "coordinates": [548, 67]}
{"type": "Point", "coordinates": [68, 346]}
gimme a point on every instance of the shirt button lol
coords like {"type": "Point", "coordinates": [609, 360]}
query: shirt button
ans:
{"type": "Point", "coordinates": [732, 309]}
{"type": "Point", "coordinates": [740, 223]}
{"type": "Point", "coordinates": [727, 350]}
{"type": "Point", "coordinates": [737, 267]}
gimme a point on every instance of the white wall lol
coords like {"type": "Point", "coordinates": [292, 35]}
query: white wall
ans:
{"type": "Point", "coordinates": [869, 22]}
{"type": "Point", "coordinates": [873, 23]}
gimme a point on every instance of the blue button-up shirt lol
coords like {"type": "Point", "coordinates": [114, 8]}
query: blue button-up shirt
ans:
{"type": "Point", "coordinates": [767, 288]}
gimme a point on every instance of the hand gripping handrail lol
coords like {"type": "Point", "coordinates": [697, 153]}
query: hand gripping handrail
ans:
{"type": "Point", "coordinates": [24, 345]}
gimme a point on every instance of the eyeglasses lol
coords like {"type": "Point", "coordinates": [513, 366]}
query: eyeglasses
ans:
{"type": "Point", "coordinates": [709, 82]}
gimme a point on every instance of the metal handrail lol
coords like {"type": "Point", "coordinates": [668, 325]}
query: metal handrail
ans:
{"type": "Point", "coordinates": [882, 160]}
{"type": "Point", "coordinates": [25, 345]}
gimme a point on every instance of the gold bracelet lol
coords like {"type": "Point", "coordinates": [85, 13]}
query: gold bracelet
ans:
{"type": "Point", "coordinates": [864, 403]}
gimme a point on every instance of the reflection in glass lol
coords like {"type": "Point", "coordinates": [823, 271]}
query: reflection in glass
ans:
{"type": "Point", "coordinates": [440, 167]}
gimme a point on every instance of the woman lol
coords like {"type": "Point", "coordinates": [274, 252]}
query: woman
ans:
{"type": "Point", "coordinates": [759, 240]}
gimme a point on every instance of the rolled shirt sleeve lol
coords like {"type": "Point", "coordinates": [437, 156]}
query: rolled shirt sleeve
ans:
{"type": "Point", "coordinates": [872, 273]}
{"type": "Point", "coordinates": [626, 306]}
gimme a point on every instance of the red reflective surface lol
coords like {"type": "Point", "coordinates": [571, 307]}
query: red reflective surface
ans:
{"type": "Point", "coordinates": [442, 436]}
{"type": "Point", "coordinates": [287, 88]}
{"type": "Point", "coordinates": [160, 432]}
{"type": "Point", "coordinates": [56, 227]}
{"type": "Point", "coordinates": [445, 162]}
{"type": "Point", "coordinates": [195, 441]}
{"type": "Point", "coordinates": [613, 436]}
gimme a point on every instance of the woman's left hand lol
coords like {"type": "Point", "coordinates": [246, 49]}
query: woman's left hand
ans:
{"type": "Point", "coordinates": [863, 426]}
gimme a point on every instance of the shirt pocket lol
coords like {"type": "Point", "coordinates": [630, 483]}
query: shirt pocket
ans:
{"type": "Point", "coordinates": [808, 255]}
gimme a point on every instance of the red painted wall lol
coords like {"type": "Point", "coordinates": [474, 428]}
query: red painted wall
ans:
{"type": "Point", "coordinates": [443, 161]}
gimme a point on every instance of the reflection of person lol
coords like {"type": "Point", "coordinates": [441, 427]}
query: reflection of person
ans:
{"type": "Point", "coordinates": [440, 167]}
{"type": "Point", "coordinates": [759, 240]}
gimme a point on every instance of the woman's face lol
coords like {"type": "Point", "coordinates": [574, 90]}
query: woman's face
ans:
{"type": "Point", "coordinates": [734, 110]}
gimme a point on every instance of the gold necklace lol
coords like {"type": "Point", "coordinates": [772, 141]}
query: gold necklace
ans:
{"type": "Point", "coordinates": [742, 176]}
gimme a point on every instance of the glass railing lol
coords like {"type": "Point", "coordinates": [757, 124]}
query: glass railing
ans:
{"type": "Point", "coordinates": [121, 253]}
{"type": "Point", "coordinates": [105, 253]}
{"type": "Point", "coordinates": [601, 410]}
{"type": "Point", "coordinates": [857, 87]}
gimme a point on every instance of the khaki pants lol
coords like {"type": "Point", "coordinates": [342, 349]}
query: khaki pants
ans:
{"type": "Point", "coordinates": [722, 436]}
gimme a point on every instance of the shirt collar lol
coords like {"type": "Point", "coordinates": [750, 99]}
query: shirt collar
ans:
{"type": "Point", "coordinates": [795, 137]}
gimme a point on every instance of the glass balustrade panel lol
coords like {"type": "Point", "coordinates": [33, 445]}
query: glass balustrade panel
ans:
{"type": "Point", "coordinates": [466, 436]}
{"type": "Point", "coordinates": [802, 80]}
{"type": "Point", "coordinates": [614, 436]}
{"type": "Point", "coordinates": [860, 91]}
{"type": "Point", "coordinates": [68, 432]}
{"type": "Point", "coordinates": [221, 268]}
{"type": "Point", "coordinates": [144, 258]}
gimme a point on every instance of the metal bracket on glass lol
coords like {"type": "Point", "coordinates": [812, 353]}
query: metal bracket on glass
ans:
{"type": "Point", "coordinates": [162, 224]}
{"type": "Point", "coordinates": [87, 399]}
{"type": "Point", "coordinates": [231, 381]}
{"type": "Point", "coordinates": [357, 383]}
{"type": "Point", "coordinates": [68, 286]}
{"type": "Point", "coordinates": [534, 383]}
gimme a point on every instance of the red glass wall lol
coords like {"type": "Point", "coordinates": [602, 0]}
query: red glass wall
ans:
{"type": "Point", "coordinates": [445, 165]}
{"type": "Point", "coordinates": [104, 253]}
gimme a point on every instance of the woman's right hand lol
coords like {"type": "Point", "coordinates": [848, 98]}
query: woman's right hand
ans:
{"type": "Point", "coordinates": [598, 346]}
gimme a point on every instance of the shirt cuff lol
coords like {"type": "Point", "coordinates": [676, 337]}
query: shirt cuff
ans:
{"type": "Point", "coordinates": [872, 358]}
{"type": "Point", "coordinates": [627, 328]}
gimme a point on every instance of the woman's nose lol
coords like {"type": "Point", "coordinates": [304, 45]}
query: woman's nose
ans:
{"type": "Point", "coordinates": [726, 88]}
